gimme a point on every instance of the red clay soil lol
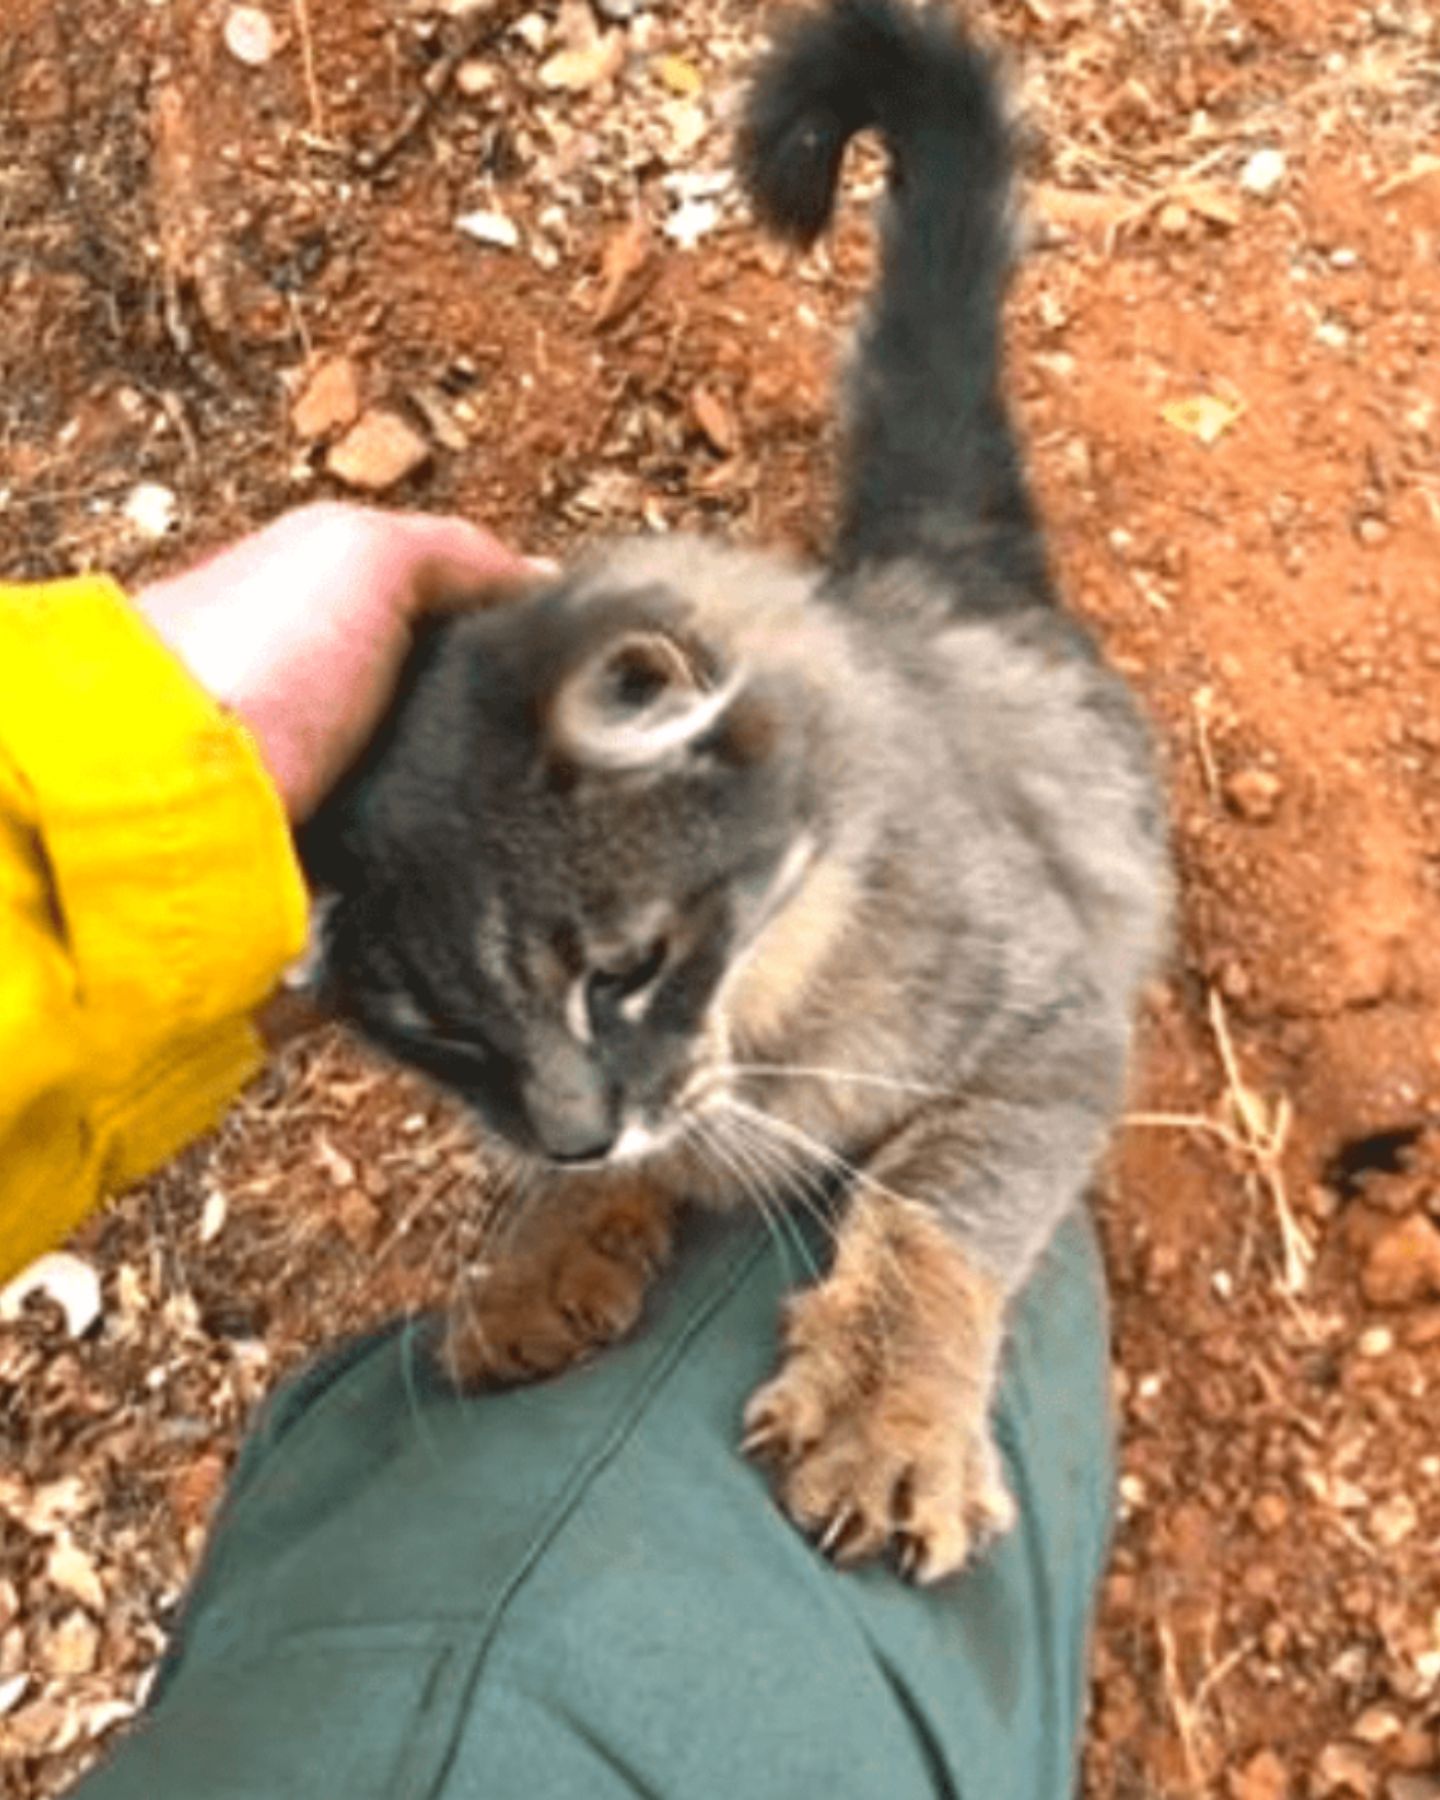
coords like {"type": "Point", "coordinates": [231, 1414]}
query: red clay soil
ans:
{"type": "Point", "coordinates": [1224, 351]}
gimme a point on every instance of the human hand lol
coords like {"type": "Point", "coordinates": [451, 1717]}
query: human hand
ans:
{"type": "Point", "coordinates": [301, 628]}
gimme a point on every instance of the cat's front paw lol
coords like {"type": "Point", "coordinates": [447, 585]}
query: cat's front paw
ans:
{"type": "Point", "coordinates": [577, 1284]}
{"type": "Point", "coordinates": [865, 1465]}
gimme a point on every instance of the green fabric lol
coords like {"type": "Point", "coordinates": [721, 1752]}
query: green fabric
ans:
{"type": "Point", "coordinates": [579, 1591]}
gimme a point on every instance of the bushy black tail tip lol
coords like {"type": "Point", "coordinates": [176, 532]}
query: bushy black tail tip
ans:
{"type": "Point", "coordinates": [813, 92]}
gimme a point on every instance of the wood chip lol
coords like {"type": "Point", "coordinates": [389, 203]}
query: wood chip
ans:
{"type": "Point", "coordinates": [72, 1647]}
{"type": "Point", "coordinates": [329, 400]}
{"type": "Point", "coordinates": [378, 452]}
{"type": "Point", "coordinates": [715, 419]}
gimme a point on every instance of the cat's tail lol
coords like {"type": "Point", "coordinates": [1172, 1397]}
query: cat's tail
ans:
{"type": "Point", "coordinates": [935, 470]}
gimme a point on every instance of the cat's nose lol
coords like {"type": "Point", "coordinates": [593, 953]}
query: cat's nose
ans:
{"type": "Point", "coordinates": [569, 1109]}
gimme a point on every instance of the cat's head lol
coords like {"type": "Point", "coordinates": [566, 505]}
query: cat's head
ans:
{"type": "Point", "coordinates": [586, 850]}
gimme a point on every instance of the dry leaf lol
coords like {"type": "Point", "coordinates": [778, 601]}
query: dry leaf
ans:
{"type": "Point", "coordinates": [624, 260]}
{"type": "Point", "coordinates": [71, 1570]}
{"type": "Point", "coordinates": [72, 1647]}
{"type": "Point", "coordinates": [680, 76]}
{"type": "Point", "coordinates": [1203, 416]}
{"type": "Point", "coordinates": [1210, 202]}
{"type": "Point", "coordinates": [575, 71]}
{"type": "Point", "coordinates": [213, 1215]}
{"type": "Point", "coordinates": [715, 419]}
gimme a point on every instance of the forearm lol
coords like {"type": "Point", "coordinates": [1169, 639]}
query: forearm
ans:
{"type": "Point", "coordinates": [149, 898]}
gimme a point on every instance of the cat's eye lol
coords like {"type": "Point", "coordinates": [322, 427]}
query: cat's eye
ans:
{"type": "Point", "coordinates": [609, 989]}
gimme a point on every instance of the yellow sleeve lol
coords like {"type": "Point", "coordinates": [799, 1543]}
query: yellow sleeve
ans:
{"type": "Point", "coordinates": [149, 898]}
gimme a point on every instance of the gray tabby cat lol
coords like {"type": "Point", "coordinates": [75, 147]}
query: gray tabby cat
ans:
{"type": "Point", "coordinates": [698, 873]}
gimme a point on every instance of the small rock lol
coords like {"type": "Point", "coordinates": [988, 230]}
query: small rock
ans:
{"type": "Point", "coordinates": [1174, 219]}
{"type": "Point", "coordinates": [377, 452]}
{"type": "Point", "coordinates": [73, 1647]}
{"type": "Point", "coordinates": [151, 508]}
{"type": "Point", "coordinates": [1263, 1778]}
{"type": "Point", "coordinates": [1378, 1340]}
{"type": "Point", "coordinates": [1376, 1725]}
{"type": "Point", "coordinates": [249, 36]}
{"type": "Point", "coordinates": [329, 400]}
{"type": "Point", "coordinates": [690, 221]}
{"type": "Point", "coordinates": [1394, 1520]}
{"type": "Point", "coordinates": [474, 78]}
{"type": "Point", "coordinates": [1254, 794]}
{"type": "Point", "coordinates": [1270, 1513]}
{"type": "Point", "coordinates": [533, 31]}
{"type": "Point", "coordinates": [1263, 173]}
{"type": "Point", "coordinates": [1372, 531]}
{"type": "Point", "coordinates": [1403, 1264]}
{"type": "Point", "coordinates": [489, 227]}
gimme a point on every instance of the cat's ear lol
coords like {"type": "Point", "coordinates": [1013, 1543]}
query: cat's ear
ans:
{"type": "Point", "coordinates": [642, 699]}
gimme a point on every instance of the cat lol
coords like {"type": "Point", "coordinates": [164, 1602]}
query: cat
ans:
{"type": "Point", "coordinates": [697, 872]}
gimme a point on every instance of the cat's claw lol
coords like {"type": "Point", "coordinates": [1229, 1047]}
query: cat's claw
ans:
{"type": "Point", "coordinates": [879, 1473]}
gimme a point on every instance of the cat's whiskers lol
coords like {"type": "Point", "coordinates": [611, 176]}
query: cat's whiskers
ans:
{"type": "Point", "coordinates": [794, 1170]}
{"type": "Point", "coordinates": [836, 1162]}
{"type": "Point", "coordinates": [820, 1153]}
{"type": "Point", "coordinates": [858, 1077]}
{"type": "Point", "coordinates": [714, 1149]}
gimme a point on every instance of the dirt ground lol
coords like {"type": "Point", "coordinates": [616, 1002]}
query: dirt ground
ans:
{"type": "Point", "coordinates": [1224, 349]}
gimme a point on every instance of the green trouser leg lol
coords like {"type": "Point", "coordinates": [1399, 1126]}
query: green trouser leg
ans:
{"type": "Point", "coordinates": [579, 1591]}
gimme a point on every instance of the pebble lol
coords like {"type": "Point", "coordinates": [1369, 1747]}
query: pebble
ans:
{"type": "Point", "coordinates": [1378, 1340]}
{"type": "Point", "coordinates": [1394, 1520]}
{"type": "Point", "coordinates": [1269, 1513]}
{"type": "Point", "coordinates": [1263, 1778]}
{"type": "Point", "coordinates": [475, 77]}
{"type": "Point", "coordinates": [1263, 173]}
{"type": "Point", "coordinates": [249, 36]}
{"type": "Point", "coordinates": [377, 452]}
{"type": "Point", "coordinates": [329, 400]}
{"type": "Point", "coordinates": [1254, 794]}
{"type": "Point", "coordinates": [1403, 1264]}
{"type": "Point", "coordinates": [488, 227]}
{"type": "Point", "coordinates": [1376, 1725]}
{"type": "Point", "coordinates": [151, 509]}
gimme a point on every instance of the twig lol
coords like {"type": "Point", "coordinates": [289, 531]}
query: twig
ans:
{"type": "Point", "coordinates": [1182, 1708]}
{"type": "Point", "coordinates": [1202, 703]}
{"type": "Point", "coordinates": [1257, 1130]}
{"type": "Point", "coordinates": [1266, 1130]}
{"type": "Point", "coordinates": [307, 62]}
{"type": "Point", "coordinates": [475, 24]}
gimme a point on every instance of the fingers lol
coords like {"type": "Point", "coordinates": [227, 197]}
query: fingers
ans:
{"type": "Point", "coordinates": [458, 565]}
